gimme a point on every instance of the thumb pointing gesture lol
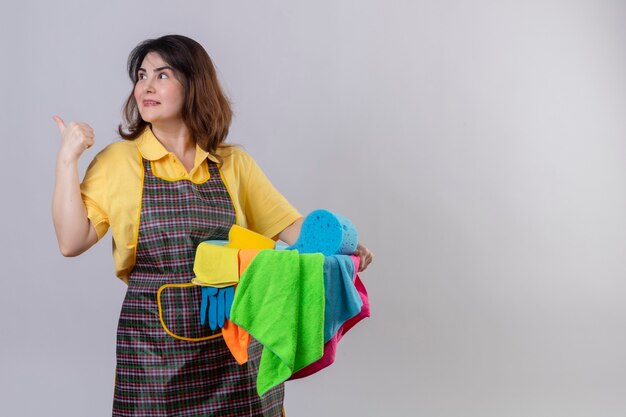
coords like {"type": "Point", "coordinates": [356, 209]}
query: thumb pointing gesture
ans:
{"type": "Point", "coordinates": [60, 123]}
{"type": "Point", "coordinates": [76, 138]}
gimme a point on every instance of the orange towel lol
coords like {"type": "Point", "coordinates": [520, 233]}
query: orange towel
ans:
{"type": "Point", "coordinates": [236, 338]}
{"type": "Point", "coordinates": [245, 257]}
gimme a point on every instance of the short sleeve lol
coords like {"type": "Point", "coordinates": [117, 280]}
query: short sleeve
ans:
{"type": "Point", "coordinates": [93, 190]}
{"type": "Point", "coordinates": [267, 211]}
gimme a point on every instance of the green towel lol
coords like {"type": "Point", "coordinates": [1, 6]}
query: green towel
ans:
{"type": "Point", "coordinates": [280, 302]}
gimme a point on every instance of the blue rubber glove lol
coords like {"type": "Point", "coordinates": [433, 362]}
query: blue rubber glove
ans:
{"type": "Point", "coordinates": [217, 303]}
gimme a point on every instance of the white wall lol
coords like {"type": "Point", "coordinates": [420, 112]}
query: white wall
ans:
{"type": "Point", "coordinates": [479, 146]}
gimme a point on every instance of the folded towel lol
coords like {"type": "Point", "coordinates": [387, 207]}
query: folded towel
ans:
{"type": "Point", "coordinates": [280, 302]}
{"type": "Point", "coordinates": [216, 266]}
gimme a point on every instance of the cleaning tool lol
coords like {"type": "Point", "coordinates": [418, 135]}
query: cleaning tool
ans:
{"type": "Point", "coordinates": [242, 238]}
{"type": "Point", "coordinates": [327, 233]}
{"type": "Point", "coordinates": [220, 263]}
{"type": "Point", "coordinates": [216, 303]}
{"type": "Point", "coordinates": [342, 300]}
{"type": "Point", "coordinates": [216, 265]}
{"type": "Point", "coordinates": [330, 347]}
{"type": "Point", "coordinates": [280, 302]}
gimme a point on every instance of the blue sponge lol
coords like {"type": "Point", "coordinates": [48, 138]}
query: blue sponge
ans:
{"type": "Point", "coordinates": [328, 233]}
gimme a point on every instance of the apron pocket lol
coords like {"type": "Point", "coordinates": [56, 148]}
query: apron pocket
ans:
{"type": "Point", "coordinates": [179, 312]}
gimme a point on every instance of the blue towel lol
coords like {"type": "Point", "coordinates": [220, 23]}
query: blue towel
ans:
{"type": "Point", "coordinates": [342, 299]}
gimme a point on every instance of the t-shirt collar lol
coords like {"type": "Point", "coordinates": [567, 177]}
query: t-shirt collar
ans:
{"type": "Point", "coordinates": [151, 149]}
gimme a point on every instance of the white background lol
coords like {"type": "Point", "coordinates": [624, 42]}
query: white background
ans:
{"type": "Point", "coordinates": [479, 147]}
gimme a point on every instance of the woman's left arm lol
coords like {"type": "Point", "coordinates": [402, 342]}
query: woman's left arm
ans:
{"type": "Point", "coordinates": [290, 235]}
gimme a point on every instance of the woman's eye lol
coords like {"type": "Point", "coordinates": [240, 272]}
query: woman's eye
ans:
{"type": "Point", "coordinates": [141, 76]}
{"type": "Point", "coordinates": [163, 76]}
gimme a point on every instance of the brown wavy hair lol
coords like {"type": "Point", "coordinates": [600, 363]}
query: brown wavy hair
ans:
{"type": "Point", "coordinates": [206, 109]}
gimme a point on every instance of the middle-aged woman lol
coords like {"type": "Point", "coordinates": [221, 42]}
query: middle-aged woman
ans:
{"type": "Point", "coordinates": [170, 185]}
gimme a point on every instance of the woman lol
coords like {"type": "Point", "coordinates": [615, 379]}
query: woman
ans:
{"type": "Point", "coordinates": [171, 185]}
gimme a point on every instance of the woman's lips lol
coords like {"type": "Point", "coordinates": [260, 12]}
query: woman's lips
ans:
{"type": "Point", "coordinates": [150, 103]}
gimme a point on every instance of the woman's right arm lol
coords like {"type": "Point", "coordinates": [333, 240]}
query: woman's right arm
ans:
{"type": "Point", "coordinates": [74, 231]}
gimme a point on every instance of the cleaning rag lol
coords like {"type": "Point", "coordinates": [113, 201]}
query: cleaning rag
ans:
{"type": "Point", "coordinates": [330, 347]}
{"type": "Point", "coordinates": [280, 302]}
{"type": "Point", "coordinates": [216, 266]}
{"type": "Point", "coordinates": [236, 338]}
{"type": "Point", "coordinates": [341, 299]}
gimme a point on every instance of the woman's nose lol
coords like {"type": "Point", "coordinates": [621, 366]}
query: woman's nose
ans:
{"type": "Point", "coordinates": [148, 86]}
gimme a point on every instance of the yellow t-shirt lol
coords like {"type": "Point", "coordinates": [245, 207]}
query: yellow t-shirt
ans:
{"type": "Point", "coordinates": [112, 191]}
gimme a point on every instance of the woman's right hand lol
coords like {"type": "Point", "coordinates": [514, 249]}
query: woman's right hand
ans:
{"type": "Point", "coordinates": [69, 214]}
{"type": "Point", "coordinates": [76, 138]}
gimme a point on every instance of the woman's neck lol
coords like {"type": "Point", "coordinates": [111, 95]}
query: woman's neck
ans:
{"type": "Point", "coordinates": [177, 140]}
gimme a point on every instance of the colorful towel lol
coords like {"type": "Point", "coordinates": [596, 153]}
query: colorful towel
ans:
{"type": "Point", "coordinates": [216, 266]}
{"type": "Point", "coordinates": [236, 338]}
{"type": "Point", "coordinates": [342, 300]}
{"type": "Point", "coordinates": [330, 347]}
{"type": "Point", "coordinates": [280, 302]}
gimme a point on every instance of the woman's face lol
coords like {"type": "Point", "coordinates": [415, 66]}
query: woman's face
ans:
{"type": "Point", "coordinates": [159, 94]}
